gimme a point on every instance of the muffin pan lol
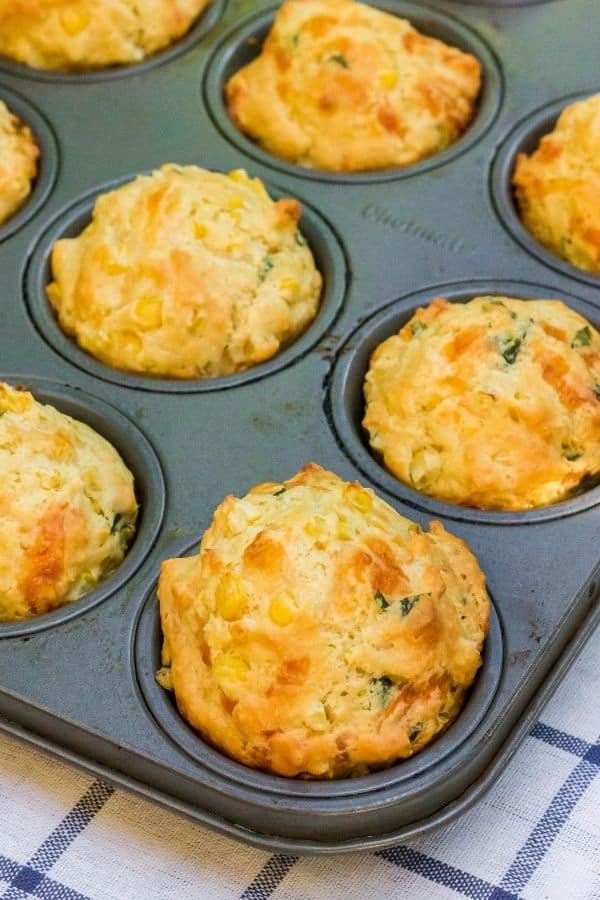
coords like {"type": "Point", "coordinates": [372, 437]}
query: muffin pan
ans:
{"type": "Point", "coordinates": [79, 681]}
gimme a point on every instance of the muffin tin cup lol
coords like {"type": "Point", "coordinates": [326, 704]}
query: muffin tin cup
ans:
{"type": "Point", "coordinates": [241, 45]}
{"type": "Point", "coordinates": [196, 33]}
{"type": "Point", "coordinates": [139, 457]}
{"type": "Point", "coordinates": [345, 403]}
{"type": "Point", "coordinates": [47, 162]}
{"type": "Point", "coordinates": [329, 256]}
{"type": "Point", "coordinates": [524, 138]}
{"type": "Point", "coordinates": [147, 653]}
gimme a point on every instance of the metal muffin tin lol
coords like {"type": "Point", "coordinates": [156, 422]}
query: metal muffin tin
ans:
{"type": "Point", "coordinates": [80, 681]}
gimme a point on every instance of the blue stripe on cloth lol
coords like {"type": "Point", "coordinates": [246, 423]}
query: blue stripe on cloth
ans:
{"type": "Point", "coordinates": [445, 874]}
{"type": "Point", "coordinates": [8, 868]}
{"type": "Point", "coordinates": [542, 837]}
{"type": "Point", "coordinates": [560, 739]}
{"type": "Point", "coordinates": [269, 878]}
{"type": "Point", "coordinates": [29, 880]}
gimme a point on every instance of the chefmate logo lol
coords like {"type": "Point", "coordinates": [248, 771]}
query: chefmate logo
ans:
{"type": "Point", "coordinates": [373, 212]}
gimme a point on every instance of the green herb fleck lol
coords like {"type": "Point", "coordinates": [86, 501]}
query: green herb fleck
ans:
{"type": "Point", "coordinates": [300, 239]}
{"type": "Point", "coordinates": [415, 731]}
{"type": "Point", "coordinates": [407, 603]}
{"type": "Point", "coordinates": [583, 338]}
{"type": "Point", "coordinates": [596, 390]}
{"type": "Point", "coordinates": [124, 527]}
{"type": "Point", "coordinates": [571, 452]}
{"type": "Point", "coordinates": [295, 40]}
{"type": "Point", "coordinates": [340, 59]}
{"type": "Point", "coordinates": [116, 525]}
{"type": "Point", "coordinates": [381, 601]}
{"type": "Point", "coordinates": [509, 347]}
{"type": "Point", "coordinates": [417, 328]}
{"type": "Point", "coordinates": [265, 267]}
{"type": "Point", "coordinates": [279, 492]}
{"type": "Point", "coordinates": [384, 687]}
{"type": "Point", "coordinates": [590, 480]}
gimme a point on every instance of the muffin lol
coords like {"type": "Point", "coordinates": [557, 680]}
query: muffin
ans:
{"type": "Point", "coordinates": [494, 403]}
{"type": "Point", "coordinates": [85, 34]}
{"type": "Point", "coordinates": [557, 188]}
{"type": "Point", "coordinates": [318, 633]}
{"type": "Point", "coordinates": [18, 162]}
{"type": "Point", "coordinates": [67, 507]}
{"type": "Point", "coordinates": [186, 274]}
{"type": "Point", "coordinates": [344, 87]}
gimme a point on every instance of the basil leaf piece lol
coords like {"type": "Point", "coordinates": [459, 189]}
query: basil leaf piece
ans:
{"type": "Point", "coordinates": [583, 337]}
{"type": "Point", "coordinates": [340, 59]}
{"type": "Point", "coordinates": [381, 601]}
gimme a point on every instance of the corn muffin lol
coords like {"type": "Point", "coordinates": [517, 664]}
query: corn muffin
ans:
{"type": "Point", "coordinates": [18, 162]}
{"type": "Point", "coordinates": [557, 188]}
{"type": "Point", "coordinates": [187, 274]}
{"type": "Point", "coordinates": [494, 403]}
{"type": "Point", "coordinates": [67, 507]}
{"type": "Point", "coordinates": [319, 633]}
{"type": "Point", "coordinates": [341, 86]}
{"type": "Point", "coordinates": [87, 34]}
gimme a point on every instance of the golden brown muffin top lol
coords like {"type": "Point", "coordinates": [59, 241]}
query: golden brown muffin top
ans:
{"type": "Point", "coordinates": [318, 632]}
{"type": "Point", "coordinates": [558, 186]}
{"type": "Point", "coordinates": [18, 162]}
{"type": "Point", "coordinates": [87, 34]}
{"type": "Point", "coordinates": [186, 273]}
{"type": "Point", "coordinates": [67, 507]}
{"type": "Point", "coordinates": [494, 403]}
{"type": "Point", "coordinates": [344, 87]}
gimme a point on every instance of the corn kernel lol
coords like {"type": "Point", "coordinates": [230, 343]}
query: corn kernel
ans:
{"type": "Point", "coordinates": [280, 613]}
{"type": "Point", "coordinates": [316, 718]}
{"type": "Point", "coordinates": [148, 312]}
{"type": "Point", "coordinates": [230, 598]}
{"type": "Point", "coordinates": [234, 203]}
{"type": "Point", "coordinates": [360, 499]}
{"type": "Point", "coordinates": [229, 670]}
{"type": "Point", "coordinates": [200, 230]}
{"type": "Point", "coordinates": [343, 532]}
{"type": "Point", "coordinates": [130, 342]}
{"type": "Point", "coordinates": [74, 20]}
{"type": "Point", "coordinates": [240, 175]}
{"type": "Point", "coordinates": [112, 267]}
{"type": "Point", "coordinates": [388, 79]}
{"type": "Point", "coordinates": [289, 284]}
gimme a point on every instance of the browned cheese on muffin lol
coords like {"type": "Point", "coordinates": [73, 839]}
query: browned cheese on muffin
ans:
{"type": "Point", "coordinates": [558, 187]}
{"type": "Point", "coordinates": [344, 87]}
{"type": "Point", "coordinates": [67, 507]}
{"type": "Point", "coordinates": [87, 34]}
{"type": "Point", "coordinates": [318, 633]}
{"type": "Point", "coordinates": [186, 273]}
{"type": "Point", "coordinates": [493, 403]}
{"type": "Point", "coordinates": [18, 162]}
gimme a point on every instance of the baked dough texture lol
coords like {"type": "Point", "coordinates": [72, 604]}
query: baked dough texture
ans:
{"type": "Point", "coordinates": [318, 633]}
{"type": "Point", "coordinates": [67, 507]}
{"type": "Point", "coordinates": [87, 34]}
{"type": "Point", "coordinates": [341, 86]}
{"type": "Point", "coordinates": [186, 273]}
{"type": "Point", "coordinates": [18, 162]}
{"type": "Point", "coordinates": [558, 187]}
{"type": "Point", "coordinates": [494, 403]}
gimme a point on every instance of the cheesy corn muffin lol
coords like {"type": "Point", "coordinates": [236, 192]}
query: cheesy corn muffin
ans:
{"type": "Point", "coordinates": [18, 162]}
{"type": "Point", "coordinates": [186, 273]}
{"type": "Point", "coordinates": [318, 632]}
{"type": "Point", "coordinates": [91, 34]}
{"type": "Point", "coordinates": [67, 507]}
{"type": "Point", "coordinates": [344, 87]}
{"type": "Point", "coordinates": [557, 188]}
{"type": "Point", "coordinates": [494, 403]}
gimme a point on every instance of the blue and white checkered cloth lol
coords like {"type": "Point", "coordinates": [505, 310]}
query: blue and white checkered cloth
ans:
{"type": "Point", "coordinates": [536, 835]}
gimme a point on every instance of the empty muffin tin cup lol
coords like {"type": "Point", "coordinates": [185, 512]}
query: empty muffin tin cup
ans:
{"type": "Point", "coordinates": [349, 793]}
{"type": "Point", "coordinates": [139, 457]}
{"type": "Point", "coordinates": [197, 31]}
{"type": "Point", "coordinates": [345, 404]}
{"type": "Point", "coordinates": [329, 257]}
{"type": "Point", "coordinates": [525, 138]}
{"type": "Point", "coordinates": [47, 160]}
{"type": "Point", "coordinates": [243, 44]}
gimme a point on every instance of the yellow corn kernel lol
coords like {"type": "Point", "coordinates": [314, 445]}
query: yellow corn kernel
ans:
{"type": "Point", "coordinates": [112, 267]}
{"type": "Point", "coordinates": [388, 79]}
{"type": "Point", "coordinates": [316, 718]}
{"type": "Point", "coordinates": [74, 20]}
{"type": "Point", "coordinates": [289, 284]}
{"type": "Point", "coordinates": [360, 499]}
{"type": "Point", "coordinates": [343, 532]}
{"type": "Point", "coordinates": [234, 203]}
{"type": "Point", "coordinates": [130, 342]}
{"type": "Point", "coordinates": [230, 598]}
{"type": "Point", "coordinates": [51, 481]}
{"type": "Point", "coordinates": [148, 312]}
{"type": "Point", "coordinates": [240, 175]}
{"type": "Point", "coordinates": [229, 670]}
{"type": "Point", "coordinates": [315, 530]}
{"type": "Point", "coordinates": [200, 230]}
{"type": "Point", "coordinates": [280, 612]}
